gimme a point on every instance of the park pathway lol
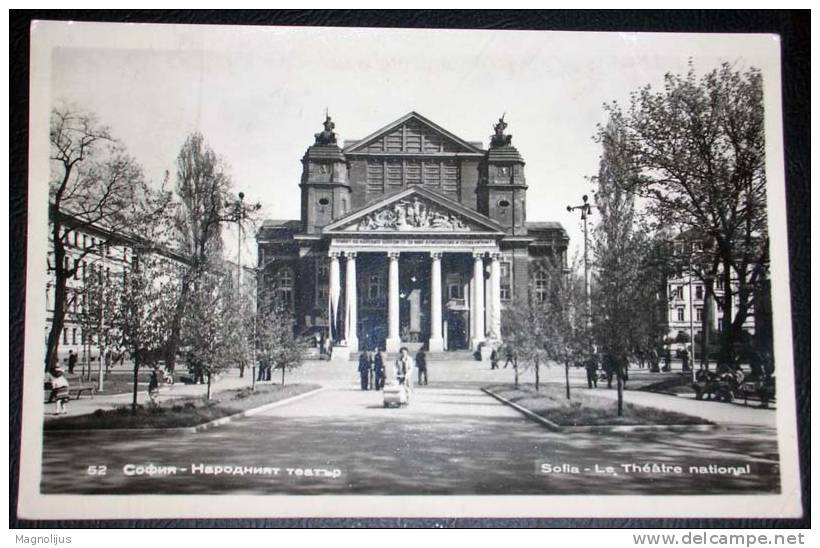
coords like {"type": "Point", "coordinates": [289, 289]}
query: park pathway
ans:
{"type": "Point", "coordinates": [452, 439]}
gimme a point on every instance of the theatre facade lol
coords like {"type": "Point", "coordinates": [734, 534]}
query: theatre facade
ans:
{"type": "Point", "coordinates": [411, 236]}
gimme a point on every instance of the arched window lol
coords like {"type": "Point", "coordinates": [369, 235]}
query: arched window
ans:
{"type": "Point", "coordinates": [541, 286]}
{"type": "Point", "coordinates": [283, 284]}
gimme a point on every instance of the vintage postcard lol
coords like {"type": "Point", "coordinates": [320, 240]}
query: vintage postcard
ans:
{"type": "Point", "coordinates": [354, 272]}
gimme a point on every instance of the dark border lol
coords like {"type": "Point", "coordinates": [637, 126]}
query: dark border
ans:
{"type": "Point", "coordinates": [794, 28]}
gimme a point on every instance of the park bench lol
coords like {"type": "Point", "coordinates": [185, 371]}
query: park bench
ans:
{"type": "Point", "coordinates": [74, 392]}
{"type": "Point", "coordinates": [763, 392]}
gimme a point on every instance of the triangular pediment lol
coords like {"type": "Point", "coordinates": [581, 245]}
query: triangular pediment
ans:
{"type": "Point", "coordinates": [412, 134]}
{"type": "Point", "coordinates": [417, 211]}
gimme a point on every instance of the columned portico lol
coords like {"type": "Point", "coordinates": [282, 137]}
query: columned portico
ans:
{"type": "Point", "coordinates": [436, 342]}
{"type": "Point", "coordinates": [351, 300]}
{"type": "Point", "coordinates": [393, 342]}
{"type": "Point", "coordinates": [477, 304]}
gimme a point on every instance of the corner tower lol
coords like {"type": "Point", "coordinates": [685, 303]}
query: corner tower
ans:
{"type": "Point", "coordinates": [325, 186]}
{"type": "Point", "coordinates": [502, 191]}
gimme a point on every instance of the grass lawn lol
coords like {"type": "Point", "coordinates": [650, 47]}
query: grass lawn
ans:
{"type": "Point", "coordinates": [585, 409]}
{"type": "Point", "coordinates": [181, 412]}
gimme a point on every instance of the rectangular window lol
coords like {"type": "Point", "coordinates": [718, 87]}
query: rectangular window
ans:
{"type": "Point", "coordinates": [681, 313]}
{"type": "Point", "coordinates": [73, 335]}
{"type": "Point", "coordinates": [393, 178]}
{"type": "Point", "coordinates": [699, 292]}
{"type": "Point", "coordinates": [375, 176]}
{"type": "Point", "coordinates": [431, 173]}
{"type": "Point", "coordinates": [506, 280]}
{"type": "Point", "coordinates": [699, 313]}
{"type": "Point", "coordinates": [412, 172]}
{"type": "Point", "coordinates": [85, 241]}
{"type": "Point", "coordinates": [65, 335]}
{"type": "Point", "coordinates": [449, 181]}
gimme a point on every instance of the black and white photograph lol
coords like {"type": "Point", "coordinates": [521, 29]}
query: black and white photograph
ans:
{"type": "Point", "coordinates": [366, 272]}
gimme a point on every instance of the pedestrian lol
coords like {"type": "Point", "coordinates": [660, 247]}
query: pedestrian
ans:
{"type": "Point", "coordinates": [364, 369]}
{"type": "Point", "coordinates": [494, 359]}
{"type": "Point", "coordinates": [591, 366]}
{"type": "Point", "coordinates": [509, 356]}
{"type": "Point", "coordinates": [59, 389]}
{"type": "Point", "coordinates": [153, 389]}
{"type": "Point", "coordinates": [685, 358]}
{"type": "Point", "coordinates": [667, 360]}
{"type": "Point", "coordinates": [421, 364]}
{"type": "Point", "coordinates": [72, 361]}
{"type": "Point", "coordinates": [609, 368]}
{"type": "Point", "coordinates": [378, 369]}
{"type": "Point", "coordinates": [328, 347]}
{"type": "Point", "coordinates": [372, 371]}
{"type": "Point", "coordinates": [404, 369]}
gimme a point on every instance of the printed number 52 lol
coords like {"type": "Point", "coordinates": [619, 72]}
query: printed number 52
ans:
{"type": "Point", "coordinates": [97, 470]}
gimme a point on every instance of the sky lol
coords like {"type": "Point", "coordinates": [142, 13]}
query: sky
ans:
{"type": "Point", "coordinates": [259, 94]}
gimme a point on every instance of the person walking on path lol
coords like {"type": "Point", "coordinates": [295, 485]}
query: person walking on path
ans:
{"type": "Point", "coordinates": [509, 356]}
{"type": "Point", "coordinates": [421, 364]}
{"type": "Point", "coordinates": [59, 389]}
{"type": "Point", "coordinates": [494, 359]}
{"type": "Point", "coordinates": [364, 369]}
{"type": "Point", "coordinates": [72, 361]}
{"type": "Point", "coordinates": [372, 371]}
{"type": "Point", "coordinates": [592, 371]}
{"type": "Point", "coordinates": [378, 369]}
{"type": "Point", "coordinates": [153, 389]}
{"type": "Point", "coordinates": [404, 369]}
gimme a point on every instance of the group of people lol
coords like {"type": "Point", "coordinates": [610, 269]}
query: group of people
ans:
{"type": "Point", "coordinates": [375, 370]}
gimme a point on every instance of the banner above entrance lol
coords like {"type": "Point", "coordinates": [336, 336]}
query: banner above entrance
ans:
{"type": "Point", "coordinates": [449, 245]}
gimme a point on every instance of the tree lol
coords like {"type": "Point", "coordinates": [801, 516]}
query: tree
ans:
{"type": "Point", "coordinates": [697, 148]}
{"type": "Point", "coordinates": [142, 316]}
{"type": "Point", "coordinates": [626, 284]}
{"type": "Point", "coordinates": [202, 195]}
{"type": "Point", "coordinates": [570, 342]}
{"type": "Point", "coordinates": [550, 326]}
{"type": "Point", "coordinates": [277, 346]}
{"type": "Point", "coordinates": [99, 297]}
{"type": "Point", "coordinates": [94, 183]}
{"type": "Point", "coordinates": [212, 329]}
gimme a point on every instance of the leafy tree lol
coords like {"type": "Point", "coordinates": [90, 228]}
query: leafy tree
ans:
{"type": "Point", "coordinates": [141, 319]}
{"type": "Point", "coordinates": [202, 194]}
{"type": "Point", "coordinates": [550, 326]}
{"type": "Point", "coordinates": [94, 182]}
{"type": "Point", "coordinates": [628, 289]}
{"type": "Point", "coordinates": [698, 164]}
{"type": "Point", "coordinates": [277, 346]}
{"type": "Point", "coordinates": [212, 330]}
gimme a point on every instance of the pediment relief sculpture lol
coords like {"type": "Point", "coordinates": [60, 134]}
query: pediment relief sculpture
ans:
{"type": "Point", "coordinates": [411, 215]}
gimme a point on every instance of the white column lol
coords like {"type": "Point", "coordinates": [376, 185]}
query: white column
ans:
{"type": "Point", "coordinates": [436, 342]}
{"type": "Point", "coordinates": [477, 310]}
{"type": "Point", "coordinates": [333, 297]}
{"type": "Point", "coordinates": [351, 316]}
{"type": "Point", "coordinates": [495, 296]}
{"type": "Point", "coordinates": [393, 342]}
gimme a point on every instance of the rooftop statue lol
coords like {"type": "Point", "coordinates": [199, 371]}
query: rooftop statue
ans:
{"type": "Point", "coordinates": [327, 137]}
{"type": "Point", "coordinates": [499, 139]}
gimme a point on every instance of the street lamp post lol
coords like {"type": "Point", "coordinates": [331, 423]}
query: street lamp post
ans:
{"type": "Point", "coordinates": [586, 211]}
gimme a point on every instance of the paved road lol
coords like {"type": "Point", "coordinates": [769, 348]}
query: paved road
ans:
{"type": "Point", "coordinates": [452, 439]}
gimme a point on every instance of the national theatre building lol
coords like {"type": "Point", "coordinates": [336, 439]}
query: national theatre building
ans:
{"type": "Point", "coordinates": [409, 236]}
